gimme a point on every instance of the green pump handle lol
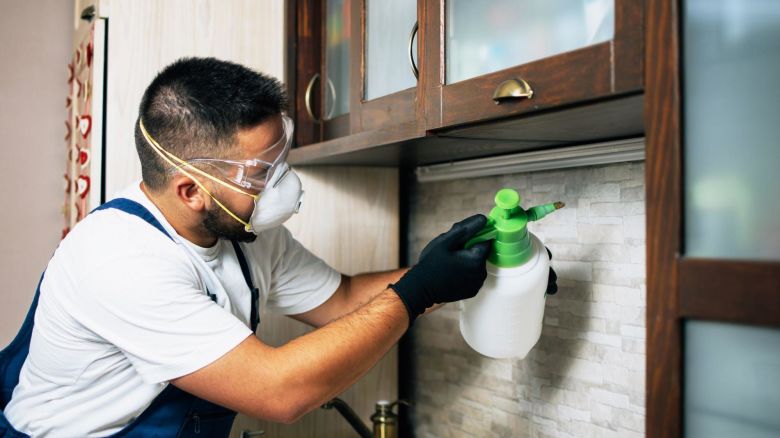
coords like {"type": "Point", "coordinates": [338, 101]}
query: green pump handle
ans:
{"type": "Point", "coordinates": [506, 225]}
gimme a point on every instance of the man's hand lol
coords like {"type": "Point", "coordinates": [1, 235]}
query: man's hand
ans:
{"type": "Point", "coordinates": [446, 271]}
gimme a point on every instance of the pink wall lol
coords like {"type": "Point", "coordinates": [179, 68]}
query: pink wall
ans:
{"type": "Point", "coordinates": [35, 42]}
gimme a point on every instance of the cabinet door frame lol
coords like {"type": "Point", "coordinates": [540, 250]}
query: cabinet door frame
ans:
{"type": "Point", "coordinates": [603, 70]}
{"type": "Point", "coordinates": [680, 287]}
{"type": "Point", "coordinates": [306, 34]}
{"type": "Point", "coordinates": [304, 46]}
{"type": "Point", "coordinates": [383, 112]}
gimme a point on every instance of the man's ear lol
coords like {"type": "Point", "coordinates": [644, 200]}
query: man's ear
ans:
{"type": "Point", "coordinates": [189, 193]}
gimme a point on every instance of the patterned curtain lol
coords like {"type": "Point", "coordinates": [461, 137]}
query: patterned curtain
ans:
{"type": "Point", "coordinates": [79, 132]}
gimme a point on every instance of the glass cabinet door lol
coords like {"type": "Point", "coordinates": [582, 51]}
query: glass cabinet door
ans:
{"type": "Point", "coordinates": [337, 40]}
{"type": "Point", "coordinates": [389, 45]}
{"type": "Point", "coordinates": [484, 36]}
{"type": "Point", "coordinates": [731, 64]}
{"type": "Point", "coordinates": [732, 377]}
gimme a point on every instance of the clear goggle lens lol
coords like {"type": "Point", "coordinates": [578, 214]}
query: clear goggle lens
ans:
{"type": "Point", "coordinates": [254, 174]}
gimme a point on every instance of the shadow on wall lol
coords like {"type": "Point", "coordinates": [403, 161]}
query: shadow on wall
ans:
{"type": "Point", "coordinates": [474, 382]}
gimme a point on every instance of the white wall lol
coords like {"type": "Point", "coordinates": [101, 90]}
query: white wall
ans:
{"type": "Point", "coordinates": [35, 42]}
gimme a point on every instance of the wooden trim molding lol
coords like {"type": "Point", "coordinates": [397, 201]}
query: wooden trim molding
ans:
{"type": "Point", "coordinates": [431, 61]}
{"type": "Point", "coordinates": [663, 197]}
{"type": "Point", "coordinates": [628, 46]}
{"type": "Point", "coordinates": [729, 290]}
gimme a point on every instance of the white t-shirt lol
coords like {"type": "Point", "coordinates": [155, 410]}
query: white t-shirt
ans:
{"type": "Point", "coordinates": [123, 310]}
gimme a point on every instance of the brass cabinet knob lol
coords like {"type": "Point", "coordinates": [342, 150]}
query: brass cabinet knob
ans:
{"type": "Point", "coordinates": [512, 89]}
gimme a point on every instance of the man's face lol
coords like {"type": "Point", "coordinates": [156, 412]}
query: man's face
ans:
{"type": "Point", "coordinates": [219, 224]}
{"type": "Point", "coordinates": [251, 143]}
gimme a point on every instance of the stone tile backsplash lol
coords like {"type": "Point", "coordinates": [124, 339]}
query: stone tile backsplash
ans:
{"type": "Point", "coordinates": [585, 377]}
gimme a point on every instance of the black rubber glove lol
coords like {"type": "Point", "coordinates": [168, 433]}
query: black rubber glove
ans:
{"type": "Point", "coordinates": [446, 272]}
{"type": "Point", "coordinates": [552, 280]}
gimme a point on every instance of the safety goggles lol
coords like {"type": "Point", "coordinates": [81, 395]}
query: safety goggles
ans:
{"type": "Point", "coordinates": [253, 174]}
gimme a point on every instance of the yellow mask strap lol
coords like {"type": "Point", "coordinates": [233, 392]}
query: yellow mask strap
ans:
{"type": "Point", "coordinates": [165, 156]}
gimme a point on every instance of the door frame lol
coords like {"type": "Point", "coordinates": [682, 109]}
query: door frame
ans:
{"type": "Point", "coordinates": [680, 287]}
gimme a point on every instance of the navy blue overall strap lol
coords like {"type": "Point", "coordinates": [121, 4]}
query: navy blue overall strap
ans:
{"type": "Point", "coordinates": [254, 313]}
{"type": "Point", "coordinates": [12, 357]}
{"type": "Point", "coordinates": [136, 209]}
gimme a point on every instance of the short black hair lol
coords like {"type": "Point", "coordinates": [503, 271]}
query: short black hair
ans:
{"type": "Point", "coordinates": [194, 107]}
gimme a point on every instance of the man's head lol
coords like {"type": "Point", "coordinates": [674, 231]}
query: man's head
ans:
{"type": "Point", "coordinates": [204, 108]}
{"type": "Point", "coordinates": [196, 106]}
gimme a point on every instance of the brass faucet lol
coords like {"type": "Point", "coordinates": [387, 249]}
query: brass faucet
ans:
{"type": "Point", "coordinates": [385, 421]}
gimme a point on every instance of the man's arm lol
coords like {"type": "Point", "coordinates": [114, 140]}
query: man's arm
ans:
{"type": "Point", "coordinates": [281, 384]}
{"type": "Point", "coordinates": [353, 292]}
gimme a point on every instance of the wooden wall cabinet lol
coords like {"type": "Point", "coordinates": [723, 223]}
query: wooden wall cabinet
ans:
{"type": "Point", "coordinates": [336, 91]}
{"type": "Point", "coordinates": [569, 57]}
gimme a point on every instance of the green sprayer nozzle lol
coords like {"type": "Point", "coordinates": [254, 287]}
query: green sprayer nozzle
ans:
{"type": "Point", "coordinates": [506, 226]}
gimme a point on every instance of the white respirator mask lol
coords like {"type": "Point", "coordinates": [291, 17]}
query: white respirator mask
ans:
{"type": "Point", "coordinates": [281, 199]}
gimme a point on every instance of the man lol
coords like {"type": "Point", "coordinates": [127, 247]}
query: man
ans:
{"type": "Point", "coordinates": [150, 291]}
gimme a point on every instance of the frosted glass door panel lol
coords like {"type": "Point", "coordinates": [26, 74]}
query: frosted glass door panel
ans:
{"type": "Point", "coordinates": [732, 130]}
{"type": "Point", "coordinates": [336, 86]}
{"type": "Point", "coordinates": [484, 36]}
{"type": "Point", "coordinates": [732, 381]}
{"type": "Point", "coordinates": [388, 27]}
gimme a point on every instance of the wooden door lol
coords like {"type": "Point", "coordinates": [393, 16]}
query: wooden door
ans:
{"type": "Point", "coordinates": [320, 37]}
{"type": "Point", "coordinates": [686, 289]}
{"type": "Point", "coordinates": [384, 65]}
{"type": "Point", "coordinates": [303, 60]}
{"type": "Point", "coordinates": [593, 71]}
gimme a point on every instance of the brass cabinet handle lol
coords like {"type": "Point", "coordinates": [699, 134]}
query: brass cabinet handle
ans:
{"type": "Point", "coordinates": [512, 89]}
{"type": "Point", "coordinates": [415, 72]}
{"type": "Point", "coordinates": [307, 98]}
{"type": "Point", "coordinates": [251, 433]}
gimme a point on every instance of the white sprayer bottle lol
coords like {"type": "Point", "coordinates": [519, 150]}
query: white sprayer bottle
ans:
{"type": "Point", "coordinates": [505, 318]}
